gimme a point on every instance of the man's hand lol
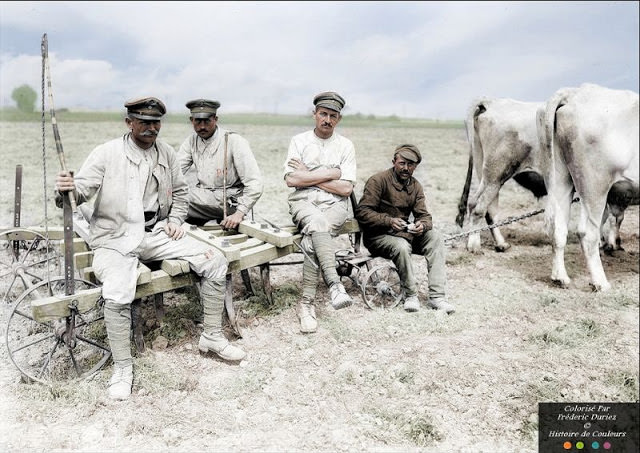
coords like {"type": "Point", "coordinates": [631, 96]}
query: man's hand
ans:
{"type": "Point", "coordinates": [297, 164]}
{"type": "Point", "coordinates": [231, 222]}
{"type": "Point", "coordinates": [64, 182]}
{"type": "Point", "coordinates": [174, 231]}
{"type": "Point", "coordinates": [417, 228]}
{"type": "Point", "coordinates": [397, 224]}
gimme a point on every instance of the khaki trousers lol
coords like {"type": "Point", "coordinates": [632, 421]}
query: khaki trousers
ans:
{"type": "Point", "coordinates": [399, 250]}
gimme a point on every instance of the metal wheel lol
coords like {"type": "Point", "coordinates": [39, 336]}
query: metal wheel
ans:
{"type": "Point", "coordinates": [30, 257]}
{"type": "Point", "coordinates": [382, 288]}
{"type": "Point", "coordinates": [70, 348]}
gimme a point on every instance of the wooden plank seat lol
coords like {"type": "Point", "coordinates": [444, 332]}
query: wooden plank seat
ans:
{"type": "Point", "coordinates": [255, 245]}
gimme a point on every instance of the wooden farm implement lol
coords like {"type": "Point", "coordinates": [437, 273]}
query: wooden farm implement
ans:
{"type": "Point", "coordinates": [54, 333]}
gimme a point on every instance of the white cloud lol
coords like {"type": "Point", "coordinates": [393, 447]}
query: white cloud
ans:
{"type": "Point", "coordinates": [419, 58]}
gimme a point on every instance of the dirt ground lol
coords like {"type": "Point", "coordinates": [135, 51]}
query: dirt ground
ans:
{"type": "Point", "coordinates": [367, 380]}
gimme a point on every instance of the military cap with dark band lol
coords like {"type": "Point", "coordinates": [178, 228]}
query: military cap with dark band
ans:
{"type": "Point", "coordinates": [409, 152]}
{"type": "Point", "coordinates": [202, 108]}
{"type": "Point", "coordinates": [330, 100]}
{"type": "Point", "coordinates": [148, 108]}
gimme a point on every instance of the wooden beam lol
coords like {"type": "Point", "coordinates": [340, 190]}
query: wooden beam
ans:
{"type": "Point", "coordinates": [230, 251]}
{"type": "Point", "coordinates": [266, 233]}
{"type": "Point", "coordinates": [349, 226]}
{"type": "Point", "coordinates": [82, 260]}
{"type": "Point", "coordinates": [144, 274]}
{"type": "Point", "coordinates": [175, 267]}
{"type": "Point", "coordinates": [259, 255]}
{"type": "Point", "coordinates": [79, 245]}
{"type": "Point", "coordinates": [56, 307]}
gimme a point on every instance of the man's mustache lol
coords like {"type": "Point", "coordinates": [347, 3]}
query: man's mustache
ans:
{"type": "Point", "coordinates": [149, 133]}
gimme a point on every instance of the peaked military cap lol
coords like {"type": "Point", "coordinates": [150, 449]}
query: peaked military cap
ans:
{"type": "Point", "coordinates": [202, 108]}
{"type": "Point", "coordinates": [409, 152]}
{"type": "Point", "coordinates": [330, 100]}
{"type": "Point", "coordinates": [148, 108]}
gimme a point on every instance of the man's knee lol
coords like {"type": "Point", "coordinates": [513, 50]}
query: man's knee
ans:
{"type": "Point", "coordinates": [402, 249]}
{"type": "Point", "coordinates": [213, 265]}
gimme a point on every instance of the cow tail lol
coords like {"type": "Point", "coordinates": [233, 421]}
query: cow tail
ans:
{"type": "Point", "coordinates": [476, 108]}
{"type": "Point", "coordinates": [546, 123]}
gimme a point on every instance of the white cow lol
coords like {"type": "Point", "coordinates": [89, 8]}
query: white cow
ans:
{"type": "Point", "coordinates": [590, 137]}
{"type": "Point", "coordinates": [504, 144]}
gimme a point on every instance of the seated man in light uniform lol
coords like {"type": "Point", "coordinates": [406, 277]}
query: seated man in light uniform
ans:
{"type": "Point", "coordinates": [321, 166]}
{"type": "Point", "coordinates": [139, 206]}
{"type": "Point", "coordinates": [226, 171]}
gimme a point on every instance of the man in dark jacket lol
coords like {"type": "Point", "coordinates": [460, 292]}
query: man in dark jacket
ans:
{"type": "Point", "coordinates": [395, 223]}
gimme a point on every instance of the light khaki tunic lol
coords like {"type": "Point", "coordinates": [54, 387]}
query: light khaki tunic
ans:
{"type": "Point", "coordinates": [243, 181]}
{"type": "Point", "coordinates": [125, 181]}
{"type": "Point", "coordinates": [112, 173]}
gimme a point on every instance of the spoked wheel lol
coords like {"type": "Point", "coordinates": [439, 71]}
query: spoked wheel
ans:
{"type": "Point", "coordinates": [30, 257]}
{"type": "Point", "coordinates": [382, 288]}
{"type": "Point", "coordinates": [70, 348]}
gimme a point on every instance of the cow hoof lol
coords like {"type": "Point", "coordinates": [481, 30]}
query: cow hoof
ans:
{"type": "Point", "coordinates": [596, 288]}
{"type": "Point", "coordinates": [503, 247]}
{"type": "Point", "coordinates": [560, 284]}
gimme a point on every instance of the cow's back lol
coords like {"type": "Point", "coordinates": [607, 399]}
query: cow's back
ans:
{"type": "Point", "coordinates": [598, 126]}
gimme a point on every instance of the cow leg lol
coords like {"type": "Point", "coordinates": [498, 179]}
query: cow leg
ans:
{"type": "Point", "coordinates": [620, 196]}
{"type": "Point", "coordinates": [591, 212]}
{"type": "Point", "coordinates": [478, 207]}
{"type": "Point", "coordinates": [610, 229]}
{"type": "Point", "coordinates": [501, 244]}
{"type": "Point", "coordinates": [557, 218]}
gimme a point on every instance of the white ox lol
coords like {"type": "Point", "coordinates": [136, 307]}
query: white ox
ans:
{"type": "Point", "coordinates": [590, 137]}
{"type": "Point", "coordinates": [503, 144]}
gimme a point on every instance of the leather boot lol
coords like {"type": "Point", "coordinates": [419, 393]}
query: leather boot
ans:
{"type": "Point", "coordinates": [307, 315]}
{"type": "Point", "coordinates": [216, 342]}
{"type": "Point", "coordinates": [117, 319]}
{"type": "Point", "coordinates": [121, 382]}
{"type": "Point", "coordinates": [212, 338]}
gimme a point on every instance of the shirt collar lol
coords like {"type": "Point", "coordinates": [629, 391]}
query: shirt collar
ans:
{"type": "Point", "coordinates": [399, 185]}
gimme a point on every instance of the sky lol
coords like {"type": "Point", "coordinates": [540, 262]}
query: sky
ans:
{"type": "Point", "coordinates": [410, 59]}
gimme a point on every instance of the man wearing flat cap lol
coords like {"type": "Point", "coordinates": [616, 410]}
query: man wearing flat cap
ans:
{"type": "Point", "coordinates": [140, 201]}
{"type": "Point", "coordinates": [225, 180]}
{"type": "Point", "coordinates": [321, 167]}
{"type": "Point", "coordinates": [395, 223]}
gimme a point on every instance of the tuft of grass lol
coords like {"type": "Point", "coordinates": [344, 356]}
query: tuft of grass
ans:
{"type": "Point", "coordinates": [625, 383]}
{"type": "Point", "coordinates": [460, 259]}
{"type": "Point", "coordinates": [422, 431]}
{"type": "Point", "coordinates": [547, 301]}
{"type": "Point", "coordinates": [284, 297]}
{"type": "Point", "coordinates": [568, 335]}
{"type": "Point", "coordinates": [178, 323]}
{"type": "Point", "coordinates": [158, 381]}
{"type": "Point", "coordinates": [419, 428]}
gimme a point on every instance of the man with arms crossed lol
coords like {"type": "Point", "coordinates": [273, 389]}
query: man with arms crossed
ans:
{"type": "Point", "coordinates": [321, 167]}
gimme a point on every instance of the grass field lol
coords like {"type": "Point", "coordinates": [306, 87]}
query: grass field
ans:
{"type": "Point", "coordinates": [384, 381]}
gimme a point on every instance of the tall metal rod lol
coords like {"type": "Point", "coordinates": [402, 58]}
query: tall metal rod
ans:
{"type": "Point", "coordinates": [224, 177]}
{"type": "Point", "coordinates": [54, 123]}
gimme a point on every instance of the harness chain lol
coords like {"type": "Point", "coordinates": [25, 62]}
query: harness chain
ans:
{"type": "Point", "coordinates": [499, 224]}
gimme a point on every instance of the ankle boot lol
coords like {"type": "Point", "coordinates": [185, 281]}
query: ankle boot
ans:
{"type": "Point", "coordinates": [307, 315]}
{"type": "Point", "coordinates": [216, 342]}
{"type": "Point", "coordinates": [121, 382]}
